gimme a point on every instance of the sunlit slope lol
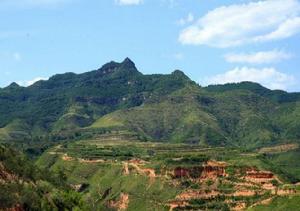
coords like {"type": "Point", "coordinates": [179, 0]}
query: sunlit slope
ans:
{"type": "Point", "coordinates": [162, 176]}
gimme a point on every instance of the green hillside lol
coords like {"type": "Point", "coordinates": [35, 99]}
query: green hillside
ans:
{"type": "Point", "coordinates": [116, 139]}
{"type": "Point", "coordinates": [24, 186]}
{"type": "Point", "coordinates": [160, 176]}
{"type": "Point", "coordinates": [167, 108]}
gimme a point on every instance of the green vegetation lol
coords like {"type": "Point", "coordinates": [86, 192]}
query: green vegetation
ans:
{"type": "Point", "coordinates": [280, 204]}
{"type": "Point", "coordinates": [23, 184]}
{"type": "Point", "coordinates": [166, 108]}
{"type": "Point", "coordinates": [100, 164]}
{"type": "Point", "coordinates": [114, 136]}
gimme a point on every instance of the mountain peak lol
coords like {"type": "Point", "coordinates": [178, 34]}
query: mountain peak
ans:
{"type": "Point", "coordinates": [127, 60]}
{"type": "Point", "coordinates": [180, 74]}
{"type": "Point", "coordinates": [112, 66]}
{"type": "Point", "coordinates": [128, 63]}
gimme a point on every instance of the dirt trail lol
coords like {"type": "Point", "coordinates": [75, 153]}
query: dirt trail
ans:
{"type": "Point", "coordinates": [177, 204]}
{"type": "Point", "coordinates": [65, 157]}
{"type": "Point", "coordinates": [143, 171]}
{"type": "Point", "coordinates": [263, 202]}
{"type": "Point", "coordinates": [197, 194]}
{"type": "Point", "coordinates": [55, 153]}
{"type": "Point", "coordinates": [124, 201]}
{"type": "Point", "coordinates": [148, 172]}
{"type": "Point", "coordinates": [244, 193]}
{"type": "Point", "coordinates": [125, 168]}
{"type": "Point", "coordinates": [81, 160]}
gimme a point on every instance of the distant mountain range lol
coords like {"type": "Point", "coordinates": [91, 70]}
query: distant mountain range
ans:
{"type": "Point", "coordinates": [117, 98]}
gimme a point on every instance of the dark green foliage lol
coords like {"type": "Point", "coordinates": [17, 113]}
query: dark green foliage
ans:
{"type": "Point", "coordinates": [32, 188]}
{"type": "Point", "coordinates": [167, 108]}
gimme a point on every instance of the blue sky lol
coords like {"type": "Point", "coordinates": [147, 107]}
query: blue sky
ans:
{"type": "Point", "coordinates": [213, 42]}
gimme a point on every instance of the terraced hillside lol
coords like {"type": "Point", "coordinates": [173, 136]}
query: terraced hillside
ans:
{"type": "Point", "coordinates": [130, 175]}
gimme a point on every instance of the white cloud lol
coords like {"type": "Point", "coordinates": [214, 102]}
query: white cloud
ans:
{"type": "Point", "coordinates": [285, 30]}
{"type": "Point", "coordinates": [268, 77]}
{"type": "Point", "coordinates": [129, 2]}
{"type": "Point", "coordinates": [239, 24]}
{"type": "Point", "coordinates": [31, 82]}
{"type": "Point", "coordinates": [186, 20]}
{"type": "Point", "coordinates": [261, 57]}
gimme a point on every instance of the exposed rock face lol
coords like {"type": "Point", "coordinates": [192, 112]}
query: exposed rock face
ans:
{"type": "Point", "coordinates": [213, 169]}
{"type": "Point", "coordinates": [193, 172]}
{"type": "Point", "coordinates": [210, 170]}
{"type": "Point", "coordinates": [257, 176]}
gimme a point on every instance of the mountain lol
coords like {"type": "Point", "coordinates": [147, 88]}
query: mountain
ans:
{"type": "Point", "coordinates": [117, 98]}
{"type": "Point", "coordinates": [116, 139]}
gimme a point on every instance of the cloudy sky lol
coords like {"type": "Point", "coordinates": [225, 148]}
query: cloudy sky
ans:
{"type": "Point", "coordinates": [213, 42]}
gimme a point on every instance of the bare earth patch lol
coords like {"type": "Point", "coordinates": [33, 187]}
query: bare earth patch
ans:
{"type": "Point", "coordinates": [65, 157]}
{"type": "Point", "coordinates": [143, 171]}
{"type": "Point", "coordinates": [121, 204]}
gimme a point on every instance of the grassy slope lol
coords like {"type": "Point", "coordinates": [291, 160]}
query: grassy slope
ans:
{"type": "Point", "coordinates": [177, 118]}
{"type": "Point", "coordinates": [280, 204]}
{"type": "Point", "coordinates": [144, 194]}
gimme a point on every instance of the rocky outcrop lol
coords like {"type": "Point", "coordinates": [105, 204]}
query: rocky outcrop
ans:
{"type": "Point", "coordinates": [258, 176]}
{"type": "Point", "coordinates": [213, 169]}
{"type": "Point", "coordinates": [254, 174]}
{"type": "Point", "coordinates": [210, 170]}
{"type": "Point", "coordinates": [192, 172]}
